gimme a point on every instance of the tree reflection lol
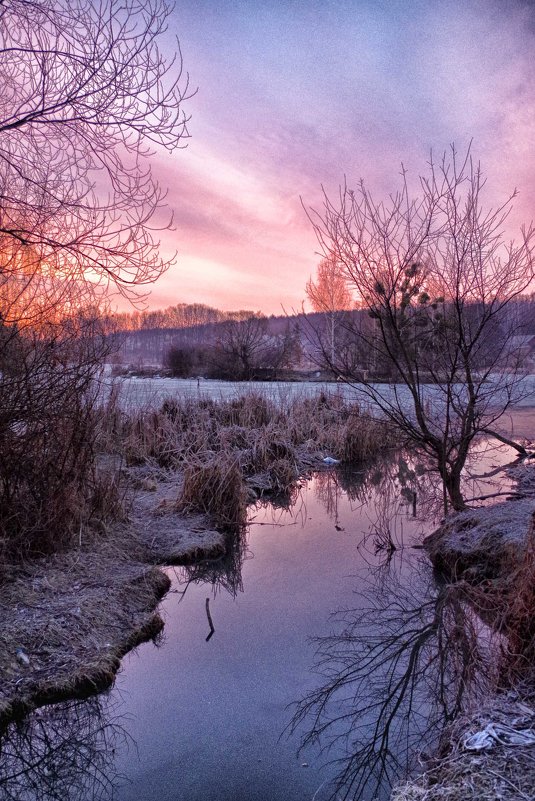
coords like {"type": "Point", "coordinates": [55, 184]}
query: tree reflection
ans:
{"type": "Point", "coordinates": [386, 491]}
{"type": "Point", "coordinates": [63, 752]}
{"type": "Point", "coordinates": [396, 671]}
{"type": "Point", "coordinates": [406, 484]}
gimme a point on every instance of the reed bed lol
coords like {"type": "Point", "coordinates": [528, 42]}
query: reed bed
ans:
{"type": "Point", "coordinates": [233, 451]}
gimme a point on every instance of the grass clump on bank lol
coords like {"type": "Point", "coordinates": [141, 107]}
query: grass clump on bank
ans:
{"type": "Point", "coordinates": [233, 451]}
{"type": "Point", "coordinates": [216, 489]}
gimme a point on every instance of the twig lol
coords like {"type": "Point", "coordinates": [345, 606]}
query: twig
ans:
{"type": "Point", "coordinates": [511, 493]}
{"type": "Point", "coordinates": [503, 778]}
{"type": "Point", "coordinates": [209, 616]}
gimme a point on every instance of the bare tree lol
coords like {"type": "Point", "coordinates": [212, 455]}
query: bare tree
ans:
{"type": "Point", "coordinates": [241, 344]}
{"type": "Point", "coordinates": [437, 279]}
{"type": "Point", "coordinates": [246, 349]}
{"type": "Point", "coordinates": [86, 95]}
{"type": "Point", "coordinates": [330, 294]}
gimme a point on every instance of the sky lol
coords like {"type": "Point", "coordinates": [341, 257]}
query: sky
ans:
{"type": "Point", "coordinates": [296, 95]}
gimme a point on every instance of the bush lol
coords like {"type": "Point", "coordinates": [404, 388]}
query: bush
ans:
{"type": "Point", "coordinates": [49, 428]}
{"type": "Point", "coordinates": [179, 361]}
{"type": "Point", "coordinates": [189, 361]}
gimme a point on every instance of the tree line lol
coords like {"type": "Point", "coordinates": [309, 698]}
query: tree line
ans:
{"type": "Point", "coordinates": [181, 315]}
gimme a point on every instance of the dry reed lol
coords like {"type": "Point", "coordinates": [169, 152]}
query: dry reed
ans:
{"type": "Point", "coordinates": [218, 490]}
{"type": "Point", "coordinates": [262, 436]}
{"type": "Point", "coordinates": [232, 451]}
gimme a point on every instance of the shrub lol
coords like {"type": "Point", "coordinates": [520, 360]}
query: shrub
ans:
{"type": "Point", "coordinates": [179, 361]}
{"type": "Point", "coordinates": [49, 427]}
{"type": "Point", "coordinates": [216, 488]}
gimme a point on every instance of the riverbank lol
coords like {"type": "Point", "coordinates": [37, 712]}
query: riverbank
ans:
{"type": "Point", "coordinates": [187, 473]}
{"type": "Point", "coordinates": [488, 752]}
{"type": "Point", "coordinates": [67, 620]}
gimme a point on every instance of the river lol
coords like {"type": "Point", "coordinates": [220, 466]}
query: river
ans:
{"type": "Point", "coordinates": [205, 718]}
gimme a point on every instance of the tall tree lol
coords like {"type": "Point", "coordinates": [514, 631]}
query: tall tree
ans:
{"type": "Point", "coordinates": [437, 278]}
{"type": "Point", "coordinates": [330, 294]}
{"type": "Point", "coordinates": [86, 96]}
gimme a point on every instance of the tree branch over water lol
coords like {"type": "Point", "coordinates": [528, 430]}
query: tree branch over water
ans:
{"type": "Point", "coordinates": [436, 282]}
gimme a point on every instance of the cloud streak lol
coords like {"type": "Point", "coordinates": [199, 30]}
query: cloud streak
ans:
{"type": "Point", "coordinates": [295, 95]}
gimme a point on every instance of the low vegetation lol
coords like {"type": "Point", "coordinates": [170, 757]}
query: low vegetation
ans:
{"type": "Point", "coordinates": [499, 772]}
{"type": "Point", "coordinates": [233, 451]}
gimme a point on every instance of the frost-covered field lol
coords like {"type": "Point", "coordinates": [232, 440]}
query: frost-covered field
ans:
{"type": "Point", "coordinates": [140, 392]}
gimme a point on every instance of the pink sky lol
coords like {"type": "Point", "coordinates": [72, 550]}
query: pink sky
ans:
{"type": "Point", "coordinates": [293, 95]}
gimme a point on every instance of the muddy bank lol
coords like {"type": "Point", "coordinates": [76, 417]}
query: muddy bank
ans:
{"type": "Point", "coordinates": [67, 620]}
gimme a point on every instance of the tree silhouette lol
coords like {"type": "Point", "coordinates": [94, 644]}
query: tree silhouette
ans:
{"type": "Point", "coordinates": [438, 281]}
{"type": "Point", "coordinates": [87, 96]}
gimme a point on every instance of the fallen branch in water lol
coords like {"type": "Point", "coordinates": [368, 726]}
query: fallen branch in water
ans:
{"type": "Point", "coordinates": [209, 616]}
{"type": "Point", "coordinates": [506, 441]}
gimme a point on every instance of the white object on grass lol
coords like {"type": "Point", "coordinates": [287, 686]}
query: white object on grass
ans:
{"type": "Point", "coordinates": [495, 733]}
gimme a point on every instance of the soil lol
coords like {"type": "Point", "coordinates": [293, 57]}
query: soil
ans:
{"type": "Point", "coordinates": [66, 620]}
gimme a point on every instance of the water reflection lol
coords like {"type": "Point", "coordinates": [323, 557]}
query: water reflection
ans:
{"type": "Point", "coordinates": [64, 752]}
{"type": "Point", "coordinates": [399, 667]}
{"type": "Point", "coordinates": [401, 662]}
{"type": "Point", "coordinates": [223, 574]}
{"type": "Point", "coordinates": [413, 653]}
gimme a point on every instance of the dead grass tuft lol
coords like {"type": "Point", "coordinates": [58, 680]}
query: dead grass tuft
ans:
{"type": "Point", "coordinates": [216, 488]}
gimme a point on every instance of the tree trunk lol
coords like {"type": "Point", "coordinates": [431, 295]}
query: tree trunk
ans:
{"type": "Point", "coordinates": [452, 483]}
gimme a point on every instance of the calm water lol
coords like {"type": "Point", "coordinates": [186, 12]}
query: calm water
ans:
{"type": "Point", "coordinates": [205, 720]}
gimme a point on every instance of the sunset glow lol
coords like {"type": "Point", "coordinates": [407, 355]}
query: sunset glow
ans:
{"type": "Point", "coordinates": [293, 96]}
